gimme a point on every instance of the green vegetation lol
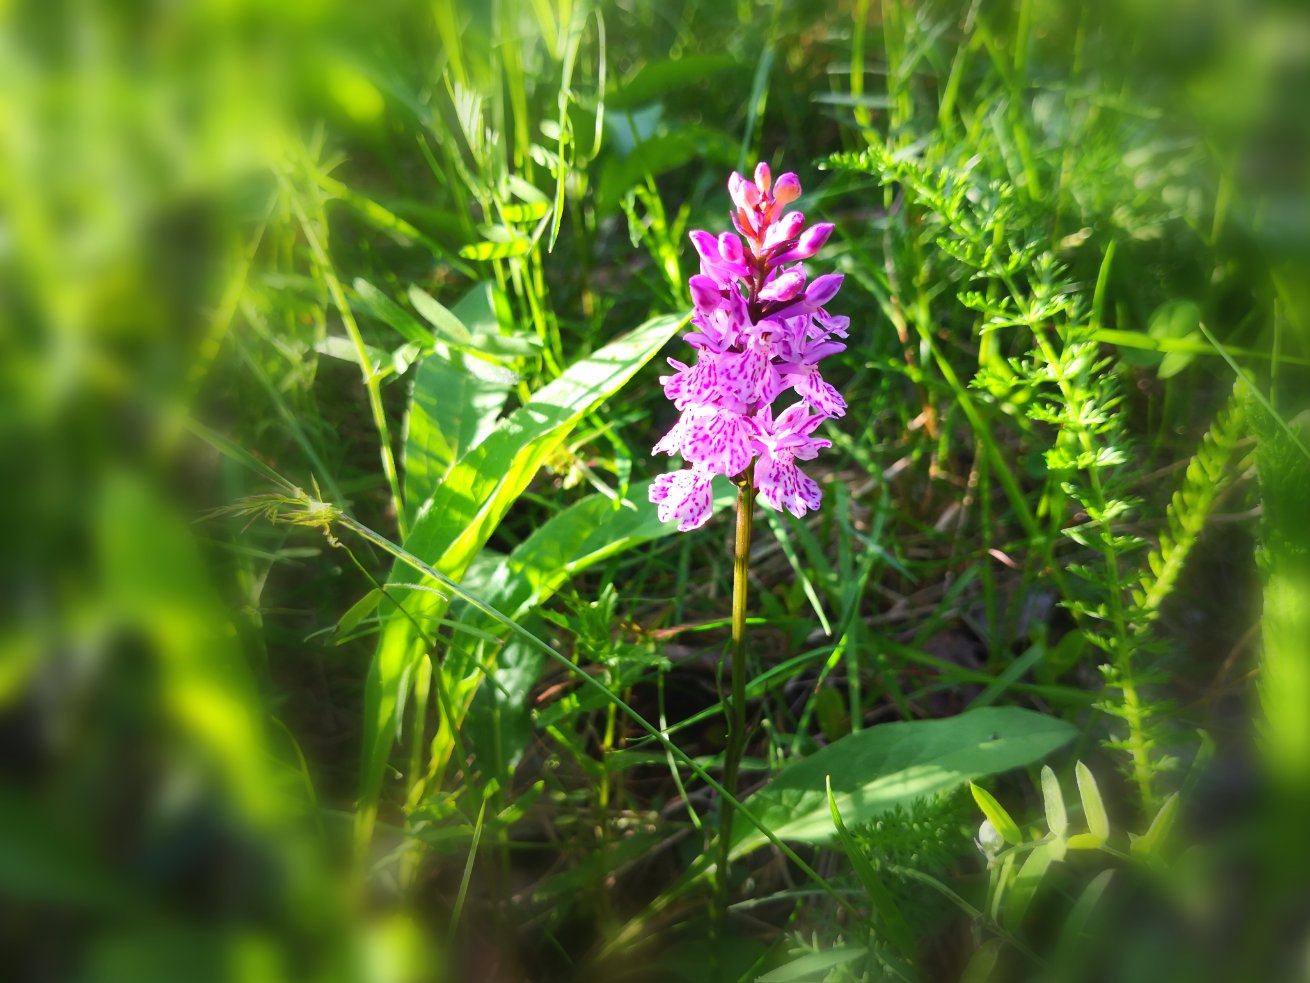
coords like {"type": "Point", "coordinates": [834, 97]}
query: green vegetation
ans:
{"type": "Point", "coordinates": [342, 642]}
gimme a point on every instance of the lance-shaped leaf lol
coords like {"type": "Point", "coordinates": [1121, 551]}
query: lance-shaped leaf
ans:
{"type": "Point", "coordinates": [893, 764]}
{"type": "Point", "coordinates": [456, 521]}
{"type": "Point", "coordinates": [454, 406]}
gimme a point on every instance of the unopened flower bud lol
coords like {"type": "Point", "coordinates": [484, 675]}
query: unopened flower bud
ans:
{"type": "Point", "coordinates": [789, 226]}
{"type": "Point", "coordinates": [705, 293]}
{"type": "Point", "coordinates": [744, 194]}
{"type": "Point", "coordinates": [823, 289]}
{"type": "Point", "coordinates": [706, 245]}
{"type": "Point", "coordinates": [763, 177]}
{"type": "Point", "coordinates": [787, 189]}
{"type": "Point", "coordinates": [989, 839]}
{"type": "Point", "coordinates": [811, 241]}
{"type": "Point", "coordinates": [785, 286]}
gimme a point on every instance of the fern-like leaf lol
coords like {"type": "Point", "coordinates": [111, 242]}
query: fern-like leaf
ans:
{"type": "Point", "coordinates": [1208, 474]}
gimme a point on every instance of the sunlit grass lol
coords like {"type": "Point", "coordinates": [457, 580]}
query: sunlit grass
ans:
{"type": "Point", "coordinates": [343, 640]}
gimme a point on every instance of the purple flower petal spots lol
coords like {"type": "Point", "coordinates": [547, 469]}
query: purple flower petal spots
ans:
{"type": "Point", "coordinates": [823, 396]}
{"type": "Point", "coordinates": [719, 441]}
{"type": "Point", "coordinates": [760, 329]}
{"type": "Point", "coordinates": [782, 485]}
{"type": "Point", "coordinates": [683, 495]}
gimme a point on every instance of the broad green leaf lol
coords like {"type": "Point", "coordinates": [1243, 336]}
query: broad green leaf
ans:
{"type": "Point", "coordinates": [456, 521]}
{"type": "Point", "coordinates": [1057, 819]}
{"type": "Point", "coordinates": [813, 965]}
{"type": "Point", "coordinates": [893, 764]}
{"type": "Point", "coordinates": [1098, 824]}
{"type": "Point", "coordinates": [386, 310]}
{"type": "Point", "coordinates": [454, 404]}
{"type": "Point", "coordinates": [447, 326]}
{"type": "Point", "coordinates": [996, 815]}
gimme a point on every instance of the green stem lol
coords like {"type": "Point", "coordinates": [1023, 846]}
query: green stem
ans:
{"type": "Point", "coordinates": [736, 743]}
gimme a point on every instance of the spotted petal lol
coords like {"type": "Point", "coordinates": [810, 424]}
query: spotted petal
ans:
{"type": "Point", "coordinates": [718, 440]}
{"type": "Point", "coordinates": [683, 495]}
{"type": "Point", "coordinates": [807, 381]}
{"type": "Point", "coordinates": [782, 485]}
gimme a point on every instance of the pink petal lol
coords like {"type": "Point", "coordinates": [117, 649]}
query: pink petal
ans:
{"type": "Point", "coordinates": [782, 485]}
{"type": "Point", "coordinates": [823, 396]}
{"type": "Point", "coordinates": [683, 495]}
{"type": "Point", "coordinates": [706, 293]}
{"type": "Point", "coordinates": [719, 441]}
{"type": "Point", "coordinates": [671, 442]}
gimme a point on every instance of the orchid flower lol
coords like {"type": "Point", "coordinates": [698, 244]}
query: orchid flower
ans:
{"type": "Point", "coordinates": [761, 329]}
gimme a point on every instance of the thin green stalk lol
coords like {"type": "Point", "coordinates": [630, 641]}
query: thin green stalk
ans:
{"type": "Point", "coordinates": [736, 743]}
{"type": "Point", "coordinates": [369, 372]}
{"type": "Point", "coordinates": [458, 909]}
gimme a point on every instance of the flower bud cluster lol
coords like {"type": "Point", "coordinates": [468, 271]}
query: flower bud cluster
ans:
{"type": "Point", "coordinates": [760, 331]}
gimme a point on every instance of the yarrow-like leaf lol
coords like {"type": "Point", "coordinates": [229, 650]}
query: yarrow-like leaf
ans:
{"type": "Point", "coordinates": [761, 330]}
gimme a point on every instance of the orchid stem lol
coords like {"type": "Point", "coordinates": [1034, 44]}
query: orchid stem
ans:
{"type": "Point", "coordinates": [736, 743]}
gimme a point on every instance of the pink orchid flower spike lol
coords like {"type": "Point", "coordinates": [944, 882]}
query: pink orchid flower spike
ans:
{"type": "Point", "coordinates": [761, 328]}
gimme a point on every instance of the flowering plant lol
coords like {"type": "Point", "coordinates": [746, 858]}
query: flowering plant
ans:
{"type": "Point", "coordinates": [761, 330]}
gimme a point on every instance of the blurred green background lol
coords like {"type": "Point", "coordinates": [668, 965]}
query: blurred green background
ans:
{"type": "Point", "coordinates": [206, 210]}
